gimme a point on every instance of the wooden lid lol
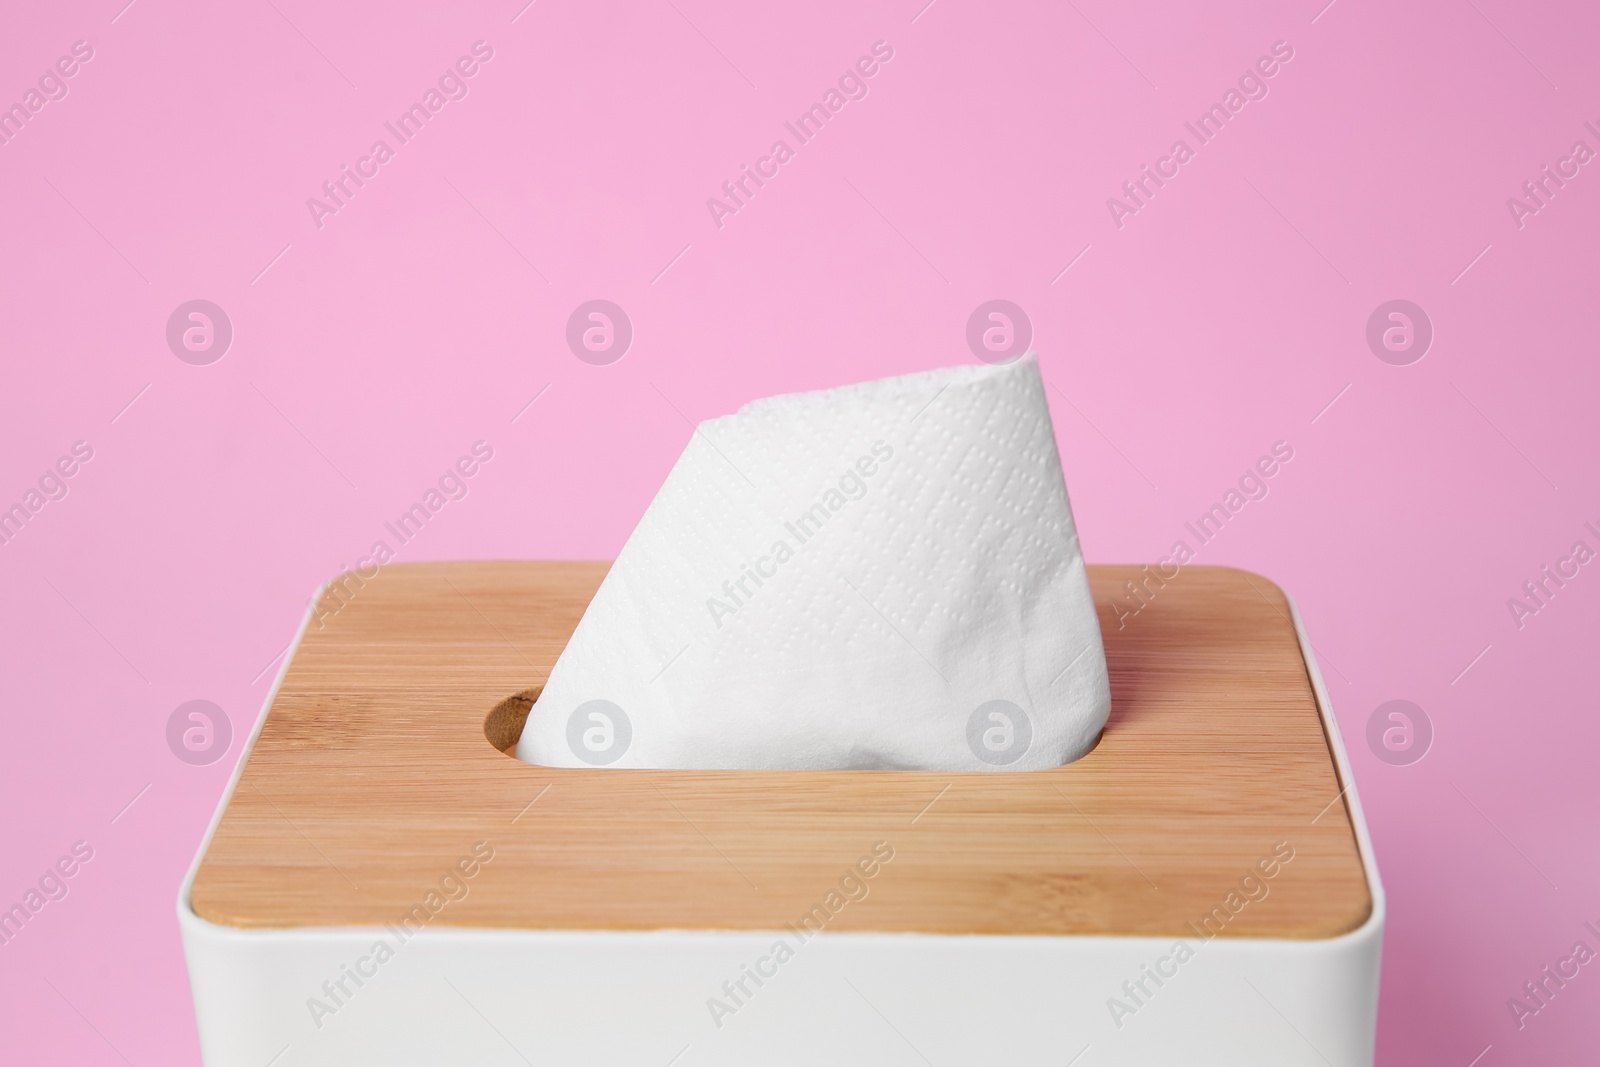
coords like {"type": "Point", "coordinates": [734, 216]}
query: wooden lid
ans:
{"type": "Point", "coordinates": [373, 780]}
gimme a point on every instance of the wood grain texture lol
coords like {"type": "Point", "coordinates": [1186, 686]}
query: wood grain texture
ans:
{"type": "Point", "coordinates": [373, 778]}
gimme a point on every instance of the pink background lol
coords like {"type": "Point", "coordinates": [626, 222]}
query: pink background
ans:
{"type": "Point", "coordinates": [1223, 317]}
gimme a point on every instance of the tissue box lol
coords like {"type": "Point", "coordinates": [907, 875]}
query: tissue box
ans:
{"type": "Point", "coordinates": [382, 883]}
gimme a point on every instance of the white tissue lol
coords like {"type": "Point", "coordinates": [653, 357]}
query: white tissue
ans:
{"type": "Point", "coordinates": [884, 575]}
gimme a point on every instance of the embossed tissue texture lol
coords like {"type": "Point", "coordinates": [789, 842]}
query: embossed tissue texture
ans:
{"type": "Point", "coordinates": [883, 575]}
